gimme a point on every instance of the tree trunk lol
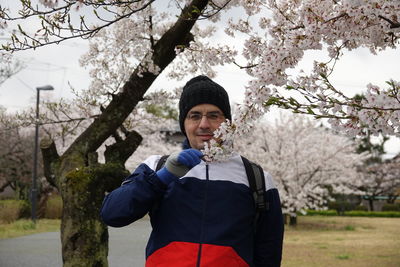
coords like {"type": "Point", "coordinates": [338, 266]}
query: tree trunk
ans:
{"type": "Point", "coordinates": [293, 221]}
{"type": "Point", "coordinates": [84, 237]}
{"type": "Point", "coordinates": [371, 203]}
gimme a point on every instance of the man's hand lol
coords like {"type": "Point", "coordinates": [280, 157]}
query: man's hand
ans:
{"type": "Point", "coordinates": [178, 164]}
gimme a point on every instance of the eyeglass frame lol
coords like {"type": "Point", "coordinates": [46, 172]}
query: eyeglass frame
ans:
{"type": "Point", "coordinates": [219, 116]}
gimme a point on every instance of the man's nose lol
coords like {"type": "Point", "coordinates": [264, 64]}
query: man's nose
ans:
{"type": "Point", "coordinates": [204, 122]}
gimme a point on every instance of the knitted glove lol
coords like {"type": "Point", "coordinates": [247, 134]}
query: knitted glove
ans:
{"type": "Point", "coordinates": [178, 164]}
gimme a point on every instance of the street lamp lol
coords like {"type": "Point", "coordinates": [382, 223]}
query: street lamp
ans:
{"type": "Point", "coordinates": [35, 152]}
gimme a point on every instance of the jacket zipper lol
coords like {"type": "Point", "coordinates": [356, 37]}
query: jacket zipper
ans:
{"type": "Point", "coordinates": [203, 218]}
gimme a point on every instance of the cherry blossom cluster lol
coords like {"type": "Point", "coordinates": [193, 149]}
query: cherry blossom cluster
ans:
{"type": "Point", "coordinates": [201, 56]}
{"type": "Point", "coordinates": [220, 148]}
{"type": "Point", "coordinates": [115, 52]}
{"type": "Point", "coordinates": [377, 108]}
{"type": "Point", "coordinates": [298, 26]}
{"type": "Point", "coordinates": [49, 3]}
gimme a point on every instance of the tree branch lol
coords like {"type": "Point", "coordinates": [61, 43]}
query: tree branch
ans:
{"type": "Point", "coordinates": [123, 149]}
{"type": "Point", "coordinates": [134, 89]}
{"type": "Point", "coordinates": [83, 32]}
{"type": "Point", "coordinates": [4, 185]}
{"type": "Point", "coordinates": [50, 156]}
{"type": "Point", "coordinates": [393, 24]}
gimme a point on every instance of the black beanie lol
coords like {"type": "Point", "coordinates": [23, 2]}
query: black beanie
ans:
{"type": "Point", "coordinates": [202, 90]}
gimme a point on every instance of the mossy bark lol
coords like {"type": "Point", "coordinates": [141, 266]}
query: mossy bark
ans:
{"type": "Point", "coordinates": [84, 240]}
{"type": "Point", "coordinates": [84, 236]}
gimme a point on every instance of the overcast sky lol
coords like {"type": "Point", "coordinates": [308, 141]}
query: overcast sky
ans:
{"type": "Point", "coordinates": [58, 65]}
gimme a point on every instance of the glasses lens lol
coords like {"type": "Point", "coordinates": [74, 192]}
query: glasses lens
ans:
{"type": "Point", "coordinates": [211, 116]}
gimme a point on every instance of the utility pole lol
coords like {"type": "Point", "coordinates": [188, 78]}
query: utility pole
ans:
{"type": "Point", "coordinates": [35, 152]}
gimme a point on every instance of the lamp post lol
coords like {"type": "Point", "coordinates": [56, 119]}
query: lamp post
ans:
{"type": "Point", "coordinates": [35, 152]}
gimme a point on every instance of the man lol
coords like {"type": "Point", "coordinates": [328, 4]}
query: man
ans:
{"type": "Point", "coordinates": [202, 213]}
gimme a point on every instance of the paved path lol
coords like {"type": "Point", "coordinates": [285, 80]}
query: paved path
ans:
{"type": "Point", "coordinates": [127, 245]}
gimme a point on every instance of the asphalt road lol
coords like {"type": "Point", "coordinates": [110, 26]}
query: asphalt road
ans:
{"type": "Point", "coordinates": [126, 248]}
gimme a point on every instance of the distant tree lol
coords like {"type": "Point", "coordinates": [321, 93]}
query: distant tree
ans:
{"type": "Point", "coordinates": [16, 164]}
{"type": "Point", "coordinates": [308, 162]}
{"type": "Point", "coordinates": [380, 177]}
{"type": "Point", "coordinates": [16, 150]}
{"type": "Point", "coordinates": [395, 172]}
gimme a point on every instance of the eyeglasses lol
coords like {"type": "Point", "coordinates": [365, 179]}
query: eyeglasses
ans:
{"type": "Point", "coordinates": [213, 116]}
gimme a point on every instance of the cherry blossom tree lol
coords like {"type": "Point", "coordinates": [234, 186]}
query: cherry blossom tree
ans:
{"type": "Point", "coordinates": [308, 162]}
{"type": "Point", "coordinates": [380, 179]}
{"type": "Point", "coordinates": [16, 146]}
{"type": "Point", "coordinates": [81, 174]}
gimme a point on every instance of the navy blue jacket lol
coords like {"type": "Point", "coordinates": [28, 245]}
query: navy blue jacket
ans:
{"type": "Point", "coordinates": [205, 218]}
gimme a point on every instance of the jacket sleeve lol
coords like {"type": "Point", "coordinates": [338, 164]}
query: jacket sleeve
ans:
{"type": "Point", "coordinates": [269, 233]}
{"type": "Point", "coordinates": [133, 199]}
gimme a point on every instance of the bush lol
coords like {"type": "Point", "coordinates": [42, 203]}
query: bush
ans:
{"type": "Point", "coordinates": [362, 208]}
{"type": "Point", "coordinates": [354, 213]}
{"type": "Point", "coordinates": [53, 208]}
{"type": "Point", "coordinates": [322, 212]}
{"type": "Point", "coordinates": [372, 213]}
{"type": "Point", "coordinates": [11, 210]}
{"type": "Point", "coordinates": [391, 207]}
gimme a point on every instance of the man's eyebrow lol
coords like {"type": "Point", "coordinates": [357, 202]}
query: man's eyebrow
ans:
{"type": "Point", "coordinates": [213, 111]}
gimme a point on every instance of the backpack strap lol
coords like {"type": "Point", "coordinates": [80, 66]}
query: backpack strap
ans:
{"type": "Point", "coordinates": [161, 162]}
{"type": "Point", "coordinates": [255, 175]}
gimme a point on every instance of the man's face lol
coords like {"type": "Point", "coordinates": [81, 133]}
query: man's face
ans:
{"type": "Point", "coordinates": [200, 123]}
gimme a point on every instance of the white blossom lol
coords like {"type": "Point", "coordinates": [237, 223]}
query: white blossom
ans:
{"type": "Point", "coordinates": [307, 162]}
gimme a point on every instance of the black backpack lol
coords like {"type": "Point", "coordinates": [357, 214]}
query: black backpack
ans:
{"type": "Point", "coordinates": [255, 175]}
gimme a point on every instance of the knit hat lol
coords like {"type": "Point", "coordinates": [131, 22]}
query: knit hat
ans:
{"type": "Point", "coordinates": [202, 90]}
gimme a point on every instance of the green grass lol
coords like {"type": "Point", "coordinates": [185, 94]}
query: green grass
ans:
{"type": "Point", "coordinates": [336, 241]}
{"type": "Point", "coordinates": [27, 227]}
{"type": "Point", "coordinates": [11, 210]}
{"type": "Point", "coordinates": [349, 228]}
{"type": "Point", "coordinates": [355, 213]}
{"type": "Point", "coordinates": [343, 257]}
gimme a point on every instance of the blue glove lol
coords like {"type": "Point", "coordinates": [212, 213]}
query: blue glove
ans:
{"type": "Point", "coordinates": [178, 164]}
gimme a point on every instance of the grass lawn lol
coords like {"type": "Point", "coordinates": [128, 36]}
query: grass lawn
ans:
{"type": "Point", "coordinates": [342, 241]}
{"type": "Point", "coordinates": [27, 227]}
{"type": "Point", "coordinates": [317, 241]}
